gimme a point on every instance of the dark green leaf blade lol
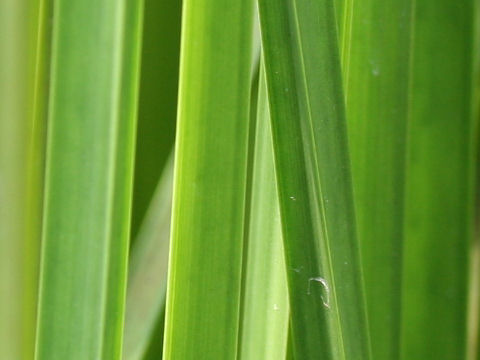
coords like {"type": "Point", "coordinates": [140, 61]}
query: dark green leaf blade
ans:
{"type": "Point", "coordinates": [313, 177]}
{"type": "Point", "coordinates": [157, 103]}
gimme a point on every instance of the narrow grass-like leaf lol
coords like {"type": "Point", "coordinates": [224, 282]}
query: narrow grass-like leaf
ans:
{"type": "Point", "coordinates": [474, 295]}
{"type": "Point", "coordinates": [36, 173]}
{"type": "Point", "coordinates": [147, 275]}
{"type": "Point", "coordinates": [377, 107]}
{"type": "Point", "coordinates": [313, 176]}
{"type": "Point", "coordinates": [439, 205]}
{"type": "Point", "coordinates": [157, 103]}
{"type": "Point", "coordinates": [203, 294]}
{"type": "Point", "coordinates": [265, 310]}
{"type": "Point", "coordinates": [473, 352]}
{"type": "Point", "coordinates": [23, 51]}
{"type": "Point", "coordinates": [88, 178]}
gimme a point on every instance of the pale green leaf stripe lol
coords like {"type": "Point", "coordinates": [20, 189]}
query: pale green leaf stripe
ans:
{"type": "Point", "coordinates": [147, 275]}
{"type": "Point", "coordinates": [265, 310]}
{"type": "Point", "coordinates": [439, 205]}
{"type": "Point", "coordinates": [203, 293]}
{"type": "Point", "coordinates": [313, 176]}
{"type": "Point", "coordinates": [88, 179]}
{"type": "Point", "coordinates": [344, 10]}
{"type": "Point", "coordinates": [473, 322]}
{"type": "Point", "coordinates": [377, 107]}
{"type": "Point", "coordinates": [22, 97]}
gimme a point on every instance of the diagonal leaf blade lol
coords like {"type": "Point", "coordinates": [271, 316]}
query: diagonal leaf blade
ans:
{"type": "Point", "coordinates": [265, 310]}
{"type": "Point", "coordinates": [147, 275]}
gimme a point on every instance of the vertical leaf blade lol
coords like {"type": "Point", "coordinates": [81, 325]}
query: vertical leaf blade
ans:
{"type": "Point", "coordinates": [440, 179]}
{"type": "Point", "coordinates": [377, 110]}
{"type": "Point", "coordinates": [203, 293]}
{"type": "Point", "coordinates": [23, 54]}
{"type": "Point", "coordinates": [88, 179]}
{"type": "Point", "coordinates": [312, 166]}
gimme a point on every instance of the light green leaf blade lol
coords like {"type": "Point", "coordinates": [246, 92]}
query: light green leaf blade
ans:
{"type": "Point", "coordinates": [265, 310]}
{"type": "Point", "coordinates": [441, 161]}
{"type": "Point", "coordinates": [147, 275]}
{"type": "Point", "coordinates": [88, 178]}
{"type": "Point", "coordinates": [23, 54]}
{"type": "Point", "coordinates": [313, 177]}
{"type": "Point", "coordinates": [203, 293]}
{"type": "Point", "coordinates": [377, 109]}
{"type": "Point", "coordinates": [474, 298]}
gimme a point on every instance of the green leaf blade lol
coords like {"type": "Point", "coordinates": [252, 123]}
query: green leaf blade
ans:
{"type": "Point", "coordinates": [147, 275]}
{"type": "Point", "coordinates": [88, 179]}
{"type": "Point", "coordinates": [157, 103]}
{"type": "Point", "coordinates": [311, 157]}
{"type": "Point", "coordinates": [441, 162]}
{"type": "Point", "coordinates": [23, 81]}
{"type": "Point", "coordinates": [265, 314]}
{"type": "Point", "coordinates": [203, 296]}
{"type": "Point", "coordinates": [377, 112]}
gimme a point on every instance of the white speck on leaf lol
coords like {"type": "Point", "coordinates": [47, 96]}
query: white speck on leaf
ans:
{"type": "Point", "coordinates": [293, 198]}
{"type": "Point", "coordinates": [375, 68]}
{"type": "Point", "coordinates": [324, 284]}
{"type": "Point", "coordinates": [275, 307]}
{"type": "Point", "coordinates": [298, 270]}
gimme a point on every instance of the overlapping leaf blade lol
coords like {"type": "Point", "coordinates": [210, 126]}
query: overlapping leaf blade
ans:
{"type": "Point", "coordinates": [265, 313]}
{"type": "Point", "coordinates": [313, 176]}
{"type": "Point", "coordinates": [157, 103]}
{"type": "Point", "coordinates": [147, 276]}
